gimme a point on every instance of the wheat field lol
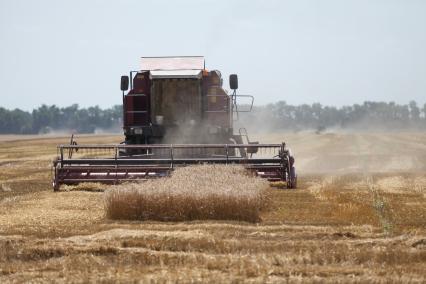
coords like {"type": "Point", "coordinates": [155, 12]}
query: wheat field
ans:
{"type": "Point", "coordinates": [358, 216]}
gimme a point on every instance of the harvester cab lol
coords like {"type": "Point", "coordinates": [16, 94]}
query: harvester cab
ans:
{"type": "Point", "coordinates": [175, 113]}
{"type": "Point", "coordinates": [176, 100]}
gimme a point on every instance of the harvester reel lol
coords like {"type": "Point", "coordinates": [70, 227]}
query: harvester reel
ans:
{"type": "Point", "coordinates": [159, 160]}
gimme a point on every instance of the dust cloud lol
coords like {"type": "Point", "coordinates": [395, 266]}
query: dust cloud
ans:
{"type": "Point", "coordinates": [340, 153]}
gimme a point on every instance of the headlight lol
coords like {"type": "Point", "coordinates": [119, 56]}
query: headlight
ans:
{"type": "Point", "coordinates": [138, 131]}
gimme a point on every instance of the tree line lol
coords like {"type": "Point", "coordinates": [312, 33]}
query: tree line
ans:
{"type": "Point", "coordinates": [366, 116]}
{"type": "Point", "coordinates": [275, 116]}
{"type": "Point", "coordinates": [47, 119]}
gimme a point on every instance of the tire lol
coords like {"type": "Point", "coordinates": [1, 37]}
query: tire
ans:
{"type": "Point", "coordinates": [293, 178]}
{"type": "Point", "coordinates": [55, 186]}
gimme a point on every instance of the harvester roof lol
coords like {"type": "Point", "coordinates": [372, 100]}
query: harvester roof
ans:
{"type": "Point", "coordinates": [189, 67]}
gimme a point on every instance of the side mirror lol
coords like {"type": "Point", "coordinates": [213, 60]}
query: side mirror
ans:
{"type": "Point", "coordinates": [124, 84]}
{"type": "Point", "coordinates": [233, 81]}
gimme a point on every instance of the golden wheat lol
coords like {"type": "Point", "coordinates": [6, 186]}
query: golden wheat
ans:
{"type": "Point", "coordinates": [191, 193]}
{"type": "Point", "coordinates": [335, 228]}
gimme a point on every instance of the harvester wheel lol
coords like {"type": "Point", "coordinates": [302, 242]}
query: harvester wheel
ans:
{"type": "Point", "coordinates": [293, 178]}
{"type": "Point", "coordinates": [55, 186]}
{"type": "Point", "coordinates": [55, 175]}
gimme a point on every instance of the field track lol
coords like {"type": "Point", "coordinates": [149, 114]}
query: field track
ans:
{"type": "Point", "coordinates": [358, 216]}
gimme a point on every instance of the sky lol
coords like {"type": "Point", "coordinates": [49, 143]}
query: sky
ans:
{"type": "Point", "coordinates": [335, 52]}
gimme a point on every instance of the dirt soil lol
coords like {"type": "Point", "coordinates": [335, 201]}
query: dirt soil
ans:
{"type": "Point", "coordinates": [359, 215]}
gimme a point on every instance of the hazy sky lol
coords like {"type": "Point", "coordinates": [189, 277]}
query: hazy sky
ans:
{"type": "Point", "coordinates": [335, 52]}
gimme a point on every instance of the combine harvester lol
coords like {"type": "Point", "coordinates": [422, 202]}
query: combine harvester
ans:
{"type": "Point", "coordinates": [175, 114]}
